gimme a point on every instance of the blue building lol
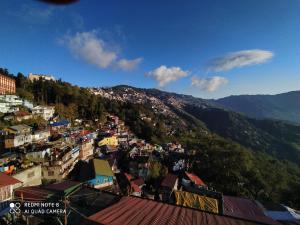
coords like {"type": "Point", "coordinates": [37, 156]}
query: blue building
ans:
{"type": "Point", "coordinates": [103, 174]}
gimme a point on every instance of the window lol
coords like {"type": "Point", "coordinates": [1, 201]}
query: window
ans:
{"type": "Point", "coordinates": [50, 173]}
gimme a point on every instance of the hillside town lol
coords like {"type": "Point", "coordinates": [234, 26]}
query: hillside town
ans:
{"type": "Point", "coordinates": [103, 174]}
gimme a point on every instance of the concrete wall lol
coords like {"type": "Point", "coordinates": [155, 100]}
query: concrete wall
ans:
{"type": "Point", "coordinates": [31, 176]}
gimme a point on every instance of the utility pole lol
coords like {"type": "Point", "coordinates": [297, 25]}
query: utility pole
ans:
{"type": "Point", "coordinates": [66, 218]}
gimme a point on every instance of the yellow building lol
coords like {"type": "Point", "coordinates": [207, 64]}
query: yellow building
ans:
{"type": "Point", "coordinates": [112, 141]}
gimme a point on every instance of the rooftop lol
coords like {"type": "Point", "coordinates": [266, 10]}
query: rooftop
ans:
{"type": "Point", "coordinates": [194, 178]}
{"type": "Point", "coordinates": [246, 209]}
{"type": "Point", "coordinates": [66, 186]}
{"type": "Point", "coordinates": [102, 167]}
{"type": "Point", "coordinates": [169, 180]}
{"type": "Point", "coordinates": [6, 180]}
{"type": "Point", "coordinates": [34, 193]}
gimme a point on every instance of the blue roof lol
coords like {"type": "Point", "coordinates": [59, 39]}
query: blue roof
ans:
{"type": "Point", "coordinates": [60, 123]}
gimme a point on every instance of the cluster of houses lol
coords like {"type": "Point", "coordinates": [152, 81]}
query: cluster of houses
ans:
{"type": "Point", "coordinates": [109, 175]}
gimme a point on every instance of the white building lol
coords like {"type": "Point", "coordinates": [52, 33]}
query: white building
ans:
{"type": "Point", "coordinates": [38, 156]}
{"type": "Point", "coordinates": [11, 103]}
{"type": "Point", "coordinates": [46, 112]}
{"type": "Point", "coordinates": [41, 135]}
{"type": "Point", "coordinates": [33, 77]}
{"type": "Point", "coordinates": [19, 135]}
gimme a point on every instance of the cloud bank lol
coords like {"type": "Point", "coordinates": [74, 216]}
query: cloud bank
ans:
{"type": "Point", "coordinates": [92, 49]}
{"type": "Point", "coordinates": [164, 75]}
{"type": "Point", "coordinates": [209, 84]}
{"type": "Point", "coordinates": [239, 59]}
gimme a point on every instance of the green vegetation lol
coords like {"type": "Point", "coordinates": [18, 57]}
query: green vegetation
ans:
{"type": "Point", "coordinates": [275, 138]}
{"type": "Point", "coordinates": [280, 107]}
{"type": "Point", "coordinates": [221, 162]}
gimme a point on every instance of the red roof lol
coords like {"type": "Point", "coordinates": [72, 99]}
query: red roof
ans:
{"type": "Point", "coordinates": [246, 209]}
{"type": "Point", "coordinates": [62, 186]}
{"type": "Point", "coordinates": [136, 188]}
{"type": "Point", "coordinates": [138, 181]}
{"type": "Point", "coordinates": [22, 113]}
{"type": "Point", "coordinates": [33, 193]}
{"type": "Point", "coordinates": [128, 176]}
{"type": "Point", "coordinates": [136, 211]}
{"type": "Point", "coordinates": [169, 181]}
{"type": "Point", "coordinates": [194, 178]}
{"type": "Point", "coordinates": [6, 180]}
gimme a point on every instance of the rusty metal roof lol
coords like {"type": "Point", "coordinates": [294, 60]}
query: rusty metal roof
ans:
{"type": "Point", "coordinates": [138, 211]}
{"type": "Point", "coordinates": [246, 209]}
{"type": "Point", "coordinates": [169, 181]}
{"type": "Point", "coordinates": [33, 193]}
{"type": "Point", "coordinates": [6, 180]}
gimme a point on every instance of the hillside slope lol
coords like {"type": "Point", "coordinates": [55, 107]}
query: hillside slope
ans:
{"type": "Point", "coordinates": [277, 138]}
{"type": "Point", "coordinates": [284, 106]}
{"type": "Point", "coordinates": [160, 117]}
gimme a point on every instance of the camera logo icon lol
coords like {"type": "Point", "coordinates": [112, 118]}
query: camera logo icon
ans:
{"type": "Point", "coordinates": [15, 208]}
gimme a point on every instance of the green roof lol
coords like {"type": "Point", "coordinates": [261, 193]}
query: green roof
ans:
{"type": "Point", "coordinates": [102, 167]}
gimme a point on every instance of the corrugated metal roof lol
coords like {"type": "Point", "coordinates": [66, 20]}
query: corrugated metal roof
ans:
{"type": "Point", "coordinates": [138, 211]}
{"type": "Point", "coordinates": [246, 209]}
{"type": "Point", "coordinates": [33, 193]}
{"type": "Point", "coordinates": [65, 186]}
{"type": "Point", "coordinates": [7, 180]}
{"type": "Point", "coordinates": [60, 123]}
{"type": "Point", "coordinates": [102, 167]}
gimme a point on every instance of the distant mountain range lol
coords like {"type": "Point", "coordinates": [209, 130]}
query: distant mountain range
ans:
{"type": "Point", "coordinates": [284, 106]}
{"type": "Point", "coordinates": [249, 128]}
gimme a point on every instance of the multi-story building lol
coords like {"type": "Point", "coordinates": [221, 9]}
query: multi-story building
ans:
{"type": "Point", "coordinates": [33, 77]}
{"type": "Point", "coordinates": [10, 103]}
{"type": "Point", "coordinates": [7, 185]}
{"type": "Point", "coordinates": [18, 135]}
{"type": "Point", "coordinates": [86, 149]}
{"type": "Point", "coordinates": [39, 155]}
{"type": "Point", "coordinates": [18, 116]}
{"type": "Point", "coordinates": [60, 164]}
{"type": "Point", "coordinates": [7, 85]}
{"type": "Point", "coordinates": [46, 112]}
{"type": "Point", "coordinates": [40, 135]}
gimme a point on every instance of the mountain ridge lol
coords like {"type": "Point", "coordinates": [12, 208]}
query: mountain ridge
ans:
{"type": "Point", "coordinates": [252, 133]}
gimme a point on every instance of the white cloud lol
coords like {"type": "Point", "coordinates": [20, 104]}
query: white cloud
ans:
{"type": "Point", "coordinates": [209, 84]}
{"type": "Point", "coordinates": [88, 46]}
{"type": "Point", "coordinates": [94, 50]}
{"type": "Point", "coordinates": [239, 59]}
{"type": "Point", "coordinates": [164, 75]}
{"type": "Point", "coordinates": [126, 64]}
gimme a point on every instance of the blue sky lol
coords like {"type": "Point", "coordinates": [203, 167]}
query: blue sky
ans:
{"type": "Point", "coordinates": [209, 49]}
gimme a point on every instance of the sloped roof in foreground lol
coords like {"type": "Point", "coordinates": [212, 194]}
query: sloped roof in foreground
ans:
{"type": "Point", "coordinates": [138, 211]}
{"type": "Point", "coordinates": [245, 209]}
{"type": "Point", "coordinates": [6, 180]}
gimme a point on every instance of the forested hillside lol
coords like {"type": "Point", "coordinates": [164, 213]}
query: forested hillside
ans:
{"type": "Point", "coordinates": [284, 106]}
{"type": "Point", "coordinates": [211, 140]}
